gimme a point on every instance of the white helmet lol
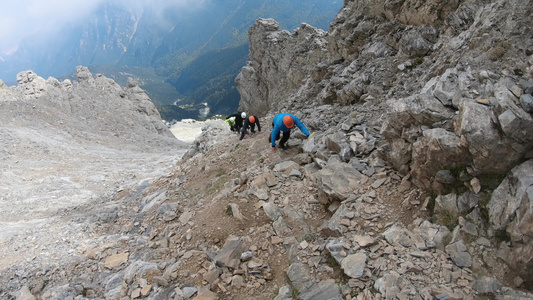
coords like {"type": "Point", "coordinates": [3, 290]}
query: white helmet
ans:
{"type": "Point", "coordinates": [243, 115]}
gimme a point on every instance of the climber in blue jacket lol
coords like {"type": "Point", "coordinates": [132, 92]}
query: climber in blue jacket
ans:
{"type": "Point", "coordinates": [284, 122]}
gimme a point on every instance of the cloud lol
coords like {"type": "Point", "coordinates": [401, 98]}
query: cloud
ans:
{"type": "Point", "coordinates": [23, 19]}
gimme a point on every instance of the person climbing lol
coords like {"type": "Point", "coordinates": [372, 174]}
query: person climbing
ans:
{"type": "Point", "coordinates": [250, 122]}
{"type": "Point", "coordinates": [231, 122]}
{"type": "Point", "coordinates": [284, 122]}
{"type": "Point", "coordinates": [239, 117]}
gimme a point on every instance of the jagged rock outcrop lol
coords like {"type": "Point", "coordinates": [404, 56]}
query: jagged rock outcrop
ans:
{"type": "Point", "coordinates": [92, 108]}
{"type": "Point", "coordinates": [274, 52]}
{"type": "Point", "coordinates": [510, 210]}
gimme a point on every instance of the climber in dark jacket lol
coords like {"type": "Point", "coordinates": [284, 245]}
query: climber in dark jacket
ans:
{"type": "Point", "coordinates": [250, 122]}
{"type": "Point", "coordinates": [239, 117]}
{"type": "Point", "coordinates": [284, 122]}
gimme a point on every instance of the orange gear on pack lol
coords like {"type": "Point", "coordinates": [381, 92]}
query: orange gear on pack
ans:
{"type": "Point", "coordinates": [288, 121]}
{"type": "Point", "coordinates": [251, 119]}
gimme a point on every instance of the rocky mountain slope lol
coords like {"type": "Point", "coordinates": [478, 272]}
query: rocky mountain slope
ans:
{"type": "Point", "coordinates": [448, 85]}
{"type": "Point", "coordinates": [416, 182]}
{"type": "Point", "coordinates": [65, 145]}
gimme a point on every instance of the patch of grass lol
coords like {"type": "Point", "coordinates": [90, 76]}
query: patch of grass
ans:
{"type": "Point", "coordinates": [456, 170]}
{"type": "Point", "coordinates": [373, 290]}
{"type": "Point", "coordinates": [214, 187]}
{"type": "Point", "coordinates": [332, 262]}
{"type": "Point", "coordinates": [468, 238]}
{"type": "Point", "coordinates": [483, 207]}
{"type": "Point", "coordinates": [479, 272]}
{"type": "Point", "coordinates": [486, 297]}
{"type": "Point", "coordinates": [235, 147]}
{"type": "Point", "coordinates": [491, 181]}
{"type": "Point", "coordinates": [413, 64]}
{"type": "Point", "coordinates": [310, 237]}
{"type": "Point", "coordinates": [502, 236]}
{"type": "Point", "coordinates": [431, 203]}
{"type": "Point", "coordinates": [448, 219]}
{"type": "Point", "coordinates": [229, 211]}
{"type": "Point", "coordinates": [337, 270]}
{"type": "Point", "coordinates": [528, 282]}
{"type": "Point", "coordinates": [499, 50]}
{"type": "Point", "coordinates": [295, 293]}
{"type": "Point", "coordinates": [457, 187]}
{"type": "Point", "coordinates": [418, 61]}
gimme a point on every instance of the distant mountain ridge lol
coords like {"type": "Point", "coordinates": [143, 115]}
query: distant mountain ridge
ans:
{"type": "Point", "coordinates": [172, 42]}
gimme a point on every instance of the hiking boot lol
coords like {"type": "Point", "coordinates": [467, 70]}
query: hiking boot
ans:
{"type": "Point", "coordinates": [282, 146]}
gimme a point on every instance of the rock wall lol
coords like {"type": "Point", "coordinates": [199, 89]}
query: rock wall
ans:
{"type": "Point", "coordinates": [281, 62]}
{"type": "Point", "coordinates": [448, 84]}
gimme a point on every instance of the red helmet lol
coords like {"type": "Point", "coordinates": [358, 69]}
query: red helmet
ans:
{"type": "Point", "coordinates": [288, 121]}
{"type": "Point", "coordinates": [251, 119]}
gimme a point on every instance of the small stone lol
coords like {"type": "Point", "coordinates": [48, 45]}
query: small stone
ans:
{"type": "Point", "coordinates": [116, 260]}
{"type": "Point", "coordinates": [255, 263]}
{"type": "Point", "coordinates": [161, 281]}
{"type": "Point", "coordinates": [463, 282]}
{"type": "Point", "coordinates": [364, 240]}
{"type": "Point", "coordinates": [483, 101]}
{"type": "Point", "coordinates": [276, 240]}
{"type": "Point", "coordinates": [517, 281]}
{"type": "Point", "coordinates": [378, 183]}
{"type": "Point", "coordinates": [25, 294]}
{"type": "Point", "coordinates": [476, 185]}
{"type": "Point", "coordinates": [304, 244]}
{"type": "Point", "coordinates": [145, 291]}
{"type": "Point", "coordinates": [188, 254]}
{"type": "Point", "coordinates": [354, 265]}
{"type": "Point", "coordinates": [237, 282]}
{"type": "Point", "coordinates": [136, 293]}
{"type": "Point", "coordinates": [246, 256]}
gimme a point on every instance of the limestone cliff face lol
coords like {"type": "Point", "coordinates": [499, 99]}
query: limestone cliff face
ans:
{"type": "Point", "coordinates": [281, 62]}
{"type": "Point", "coordinates": [449, 84]}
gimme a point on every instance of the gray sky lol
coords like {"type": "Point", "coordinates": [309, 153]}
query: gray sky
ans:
{"type": "Point", "coordinates": [20, 19]}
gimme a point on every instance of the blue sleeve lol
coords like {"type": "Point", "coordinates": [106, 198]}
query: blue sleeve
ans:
{"type": "Point", "coordinates": [273, 135]}
{"type": "Point", "coordinates": [301, 126]}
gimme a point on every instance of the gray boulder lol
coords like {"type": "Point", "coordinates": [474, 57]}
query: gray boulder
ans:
{"type": "Point", "coordinates": [336, 181]}
{"type": "Point", "coordinates": [510, 210]}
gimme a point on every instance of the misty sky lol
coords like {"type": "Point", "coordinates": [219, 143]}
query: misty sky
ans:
{"type": "Point", "coordinates": [21, 19]}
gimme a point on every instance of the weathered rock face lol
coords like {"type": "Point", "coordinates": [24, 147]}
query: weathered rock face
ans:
{"type": "Point", "coordinates": [274, 52]}
{"type": "Point", "coordinates": [90, 109]}
{"type": "Point", "coordinates": [440, 90]}
{"type": "Point", "coordinates": [510, 210]}
{"type": "Point", "coordinates": [380, 51]}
